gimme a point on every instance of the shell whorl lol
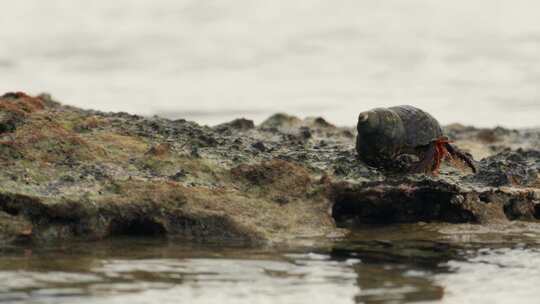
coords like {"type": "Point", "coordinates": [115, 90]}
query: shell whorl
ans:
{"type": "Point", "coordinates": [380, 135]}
{"type": "Point", "coordinates": [384, 133]}
{"type": "Point", "coordinates": [420, 127]}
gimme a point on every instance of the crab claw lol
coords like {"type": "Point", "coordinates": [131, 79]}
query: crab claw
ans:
{"type": "Point", "coordinates": [439, 150]}
{"type": "Point", "coordinates": [436, 152]}
{"type": "Point", "coordinates": [459, 155]}
{"type": "Point", "coordinates": [441, 153]}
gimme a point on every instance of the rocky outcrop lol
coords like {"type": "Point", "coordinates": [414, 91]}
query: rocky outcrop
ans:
{"type": "Point", "coordinates": [70, 173]}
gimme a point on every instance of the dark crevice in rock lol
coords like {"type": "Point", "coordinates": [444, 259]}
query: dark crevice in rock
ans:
{"type": "Point", "coordinates": [515, 205]}
{"type": "Point", "coordinates": [15, 204]}
{"type": "Point", "coordinates": [536, 209]}
{"type": "Point", "coordinates": [137, 227]}
{"type": "Point", "coordinates": [383, 204]}
{"type": "Point", "coordinates": [68, 219]}
{"type": "Point", "coordinates": [206, 227]}
{"type": "Point", "coordinates": [510, 210]}
{"type": "Point", "coordinates": [516, 209]}
{"type": "Point", "coordinates": [9, 209]}
{"type": "Point", "coordinates": [484, 197]}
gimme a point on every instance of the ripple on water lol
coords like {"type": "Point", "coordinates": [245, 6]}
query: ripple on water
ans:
{"type": "Point", "coordinates": [503, 275]}
{"type": "Point", "coordinates": [293, 278]}
{"type": "Point", "coordinates": [391, 264]}
{"type": "Point", "coordinates": [238, 281]}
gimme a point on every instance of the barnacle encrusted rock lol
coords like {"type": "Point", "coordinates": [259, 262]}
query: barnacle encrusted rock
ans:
{"type": "Point", "coordinates": [69, 173]}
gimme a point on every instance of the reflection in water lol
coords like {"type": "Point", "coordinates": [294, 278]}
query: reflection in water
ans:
{"type": "Point", "coordinates": [374, 265]}
{"type": "Point", "coordinates": [161, 272]}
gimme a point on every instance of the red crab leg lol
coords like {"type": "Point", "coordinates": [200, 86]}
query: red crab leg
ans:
{"type": "Point", "coordinates": [440, 154]}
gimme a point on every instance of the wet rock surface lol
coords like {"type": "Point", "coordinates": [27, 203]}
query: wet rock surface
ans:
{"type": "Point", "coordinates": [69, 173]}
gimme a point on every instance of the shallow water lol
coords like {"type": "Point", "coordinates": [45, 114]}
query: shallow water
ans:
{"type": "Point", "coordinates": [393, 264]}
{"type": "Point", "coordinates": [475, 62]}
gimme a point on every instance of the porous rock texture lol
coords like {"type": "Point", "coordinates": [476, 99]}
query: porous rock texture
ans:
{"type": "Point", "coordinates": [69, 173]}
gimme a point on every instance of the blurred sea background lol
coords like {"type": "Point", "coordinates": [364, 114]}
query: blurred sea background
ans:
{"type": "Point", "coordinates": [472, 62]}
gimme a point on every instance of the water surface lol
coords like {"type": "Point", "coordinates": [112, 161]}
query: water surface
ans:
{"type": "Point", "coordinates": [393, 264]}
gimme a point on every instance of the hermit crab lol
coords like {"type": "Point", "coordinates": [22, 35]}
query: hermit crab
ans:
{"type": "Point", "coordinates": [405, 138]}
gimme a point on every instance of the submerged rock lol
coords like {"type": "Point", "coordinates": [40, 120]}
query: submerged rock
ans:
{"type": "Point", "coordinates": [71, 173]}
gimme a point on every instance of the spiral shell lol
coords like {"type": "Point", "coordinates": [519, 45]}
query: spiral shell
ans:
{"type": "Point", "coordinates": [385, 133]}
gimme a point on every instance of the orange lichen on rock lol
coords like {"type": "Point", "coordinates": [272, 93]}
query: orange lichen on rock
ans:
{"type": "Point", "coordinates": [44, 138]}
{"type": "Point", "coordinates": [20, 103]}
{"type": "Point", "coordinates": [15, 108]}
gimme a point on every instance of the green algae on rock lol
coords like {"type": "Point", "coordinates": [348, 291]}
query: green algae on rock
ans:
{"type": "Point", "coordinates": [69, 173]}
